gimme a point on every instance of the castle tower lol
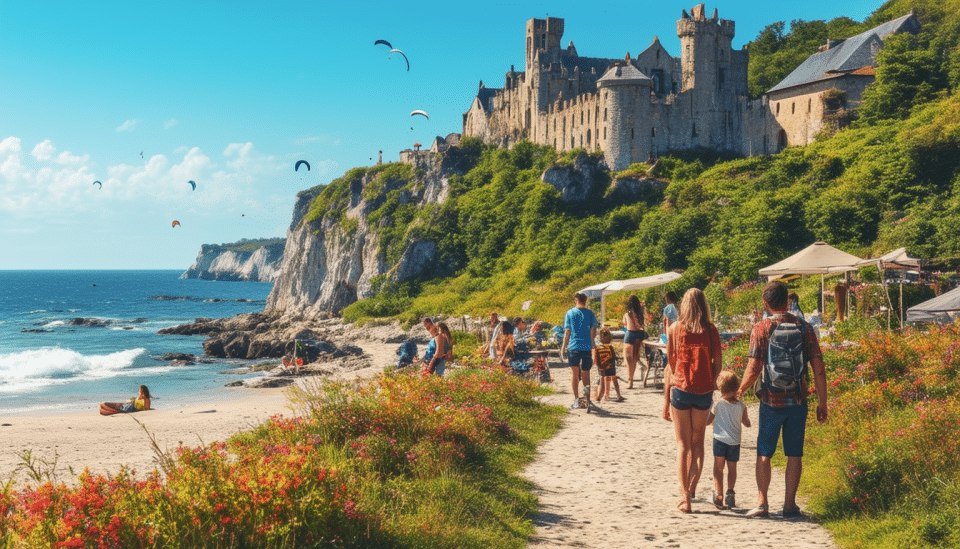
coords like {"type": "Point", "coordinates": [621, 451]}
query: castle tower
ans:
{"type": "Point", "coordinates": [542, 35]}
{"type": "Point", "coordinates": [706, 50]}
{"type": "Point", "coordinates": [625, 111]}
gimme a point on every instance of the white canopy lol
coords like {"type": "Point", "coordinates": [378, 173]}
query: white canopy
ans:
{"type": "Point", "coordinates": [897, 259]}
{"type": "Point", "coordinates": [943, 308]}
{"type": "Point", "coordinates": [817, 258]}
{"type": "Point", "coordinates": [604, 288]}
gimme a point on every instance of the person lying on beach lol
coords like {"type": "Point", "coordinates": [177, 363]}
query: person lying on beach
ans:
{"type": "Point", "coordinates": [139, 404]}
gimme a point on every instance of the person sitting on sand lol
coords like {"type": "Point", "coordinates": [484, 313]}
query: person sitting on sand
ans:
{"type": "Point", "coordinates": [139, 404]}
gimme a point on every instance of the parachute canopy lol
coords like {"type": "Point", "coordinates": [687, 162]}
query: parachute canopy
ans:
{"type": "Point", "coordinates": [296, 167]}
{"type": "Point", "coordinates": [175, 223]}
{"type": "Point", "coordinates": [424, 113]}
{"type": "Point", "coordinates": [378, 42]}
{"type": "Point", "coordinates": [193, 184]}
{"type": "Point", "coordinates": [98, 183]}
{"type": "Point", "coordinates": [404, 57]}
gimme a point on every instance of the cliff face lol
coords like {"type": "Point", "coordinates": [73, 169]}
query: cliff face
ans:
{"type": "Point", "coordinates": [220, 262]}
{"type": "Point", "coordinates": [331, 261]}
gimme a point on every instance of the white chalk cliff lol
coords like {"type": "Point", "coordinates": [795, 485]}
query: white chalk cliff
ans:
{"type": "Point", "coordinates": [216, 262]}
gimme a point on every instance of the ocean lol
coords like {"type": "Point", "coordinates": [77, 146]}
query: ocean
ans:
{"type": "Point", "coordinates": [48, 365]}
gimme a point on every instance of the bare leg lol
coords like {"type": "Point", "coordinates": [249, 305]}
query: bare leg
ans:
{"type": "Point", "coordinates": [731, 474]}
{"type": "Point", "coordinates": [763, 478]}
{"type": "Point", "coordinates": [616, 385]}
{"type": "Point", "coordinates": [575, 381]}
{"type": "Point", "coordinates": [630, 356]}
{"type": "Point", "coordinates": [718, 463]}
{"type": "Point", "coordinates": [698, 422]}
{"type": "Point", "coordinates": [109, 408]}
{"type": "Point", "coordinates": [585, 376]}
{"type": "Point", "coordinates": [794, 470]}
{"type": "Point", "coordinates": [683, 429]}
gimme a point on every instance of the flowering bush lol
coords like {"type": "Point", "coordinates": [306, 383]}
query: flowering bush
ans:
{"type": "Point", "coordinates": [331, 477]}
{"type": "Point", "coordinates": [892, 446]}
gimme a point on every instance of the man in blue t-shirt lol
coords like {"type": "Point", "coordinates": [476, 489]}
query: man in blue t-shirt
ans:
{"type": "Point", "coordinates": [579, 330]}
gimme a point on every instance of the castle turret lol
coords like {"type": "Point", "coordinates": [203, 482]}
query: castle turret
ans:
{"type": "Point", "coordinates": [542, 35]}
{"type": "Point", "coordinates": [706, 49]}
{"type": "Point", "coordinates": [625, 104]}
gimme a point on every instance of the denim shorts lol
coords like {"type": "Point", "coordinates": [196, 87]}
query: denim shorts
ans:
{"type": "Point", "coordinates": [682, 400]}
{"type": "Point", "coordinates": [730, 452]}
{"type": "Point", "coordinates": [792, 420]}
{"type": "Point", "coordinates": [439, 366]}
{"type": "Point", "coordinates": [633, 336]}
{"type": "Point", "coordinates": [581, 359]}
{"type": "Point", "coordinates": [609, 372]}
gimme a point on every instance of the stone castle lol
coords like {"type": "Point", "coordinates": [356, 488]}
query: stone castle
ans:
{"type": "Point", "coordinates": [635, 109]}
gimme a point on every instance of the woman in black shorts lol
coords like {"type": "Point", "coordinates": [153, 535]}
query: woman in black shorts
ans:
{"type": "Point", "coordinates": [633, 335]}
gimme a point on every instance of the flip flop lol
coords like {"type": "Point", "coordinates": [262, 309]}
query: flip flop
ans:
{"type": "Point", "coordinates": [760, 511]}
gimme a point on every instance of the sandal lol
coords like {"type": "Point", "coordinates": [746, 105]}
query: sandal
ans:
{"type": "Point", "coordinates": [718, 501]}
{"type": "Point", "coordinates": [620, 399]}
{"type": "Point", "coordinates": [760, 511]}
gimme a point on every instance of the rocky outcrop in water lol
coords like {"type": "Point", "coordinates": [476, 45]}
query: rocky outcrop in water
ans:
{"type": "Point", "coordinates": [236, 262]}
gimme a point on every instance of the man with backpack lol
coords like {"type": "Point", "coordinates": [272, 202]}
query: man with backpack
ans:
{"type": "Point", "coordinates": [782, 347]}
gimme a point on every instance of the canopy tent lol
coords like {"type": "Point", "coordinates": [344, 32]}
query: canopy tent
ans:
{"type": "Point", "coordinates": [897, 259]}
{"type": "Point", "coordinates": [943, 308]}
{"type": "Point", "coordinates": [604, 288]}
{"type": "Point", "coordinates": [818, 258]}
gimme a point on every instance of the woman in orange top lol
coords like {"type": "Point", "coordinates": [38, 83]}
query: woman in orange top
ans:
{"type": "Point", "coordinates": [694, 362]}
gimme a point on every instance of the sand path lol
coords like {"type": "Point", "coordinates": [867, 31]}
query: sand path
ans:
{"type": "Point", "coordinates": [609, 479]}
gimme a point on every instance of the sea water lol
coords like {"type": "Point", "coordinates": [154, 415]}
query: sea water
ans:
{"type": "Point", "coordinates": [48, 365]}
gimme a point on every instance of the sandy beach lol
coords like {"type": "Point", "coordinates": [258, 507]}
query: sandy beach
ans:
{"type": "Point", "coordinates": [607, 479]}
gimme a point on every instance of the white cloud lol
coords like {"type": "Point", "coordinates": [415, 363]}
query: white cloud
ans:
{"type": "Point", "coordinates": [170, 123]}
{"type": "Point", "coordinates": [128, 125]}
{"type": "Point", "coordinates": [43, 151]}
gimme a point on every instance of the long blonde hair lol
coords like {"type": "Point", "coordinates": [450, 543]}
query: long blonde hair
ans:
{"type": "Point", "coordinates": [694, 311]}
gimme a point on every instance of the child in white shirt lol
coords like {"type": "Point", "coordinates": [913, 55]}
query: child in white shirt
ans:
{"type": "Point", "coordinates": [727, 416]}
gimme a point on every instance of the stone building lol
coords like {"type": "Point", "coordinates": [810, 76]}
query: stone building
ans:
{"type": "Point", "coordinates": [635, 109]}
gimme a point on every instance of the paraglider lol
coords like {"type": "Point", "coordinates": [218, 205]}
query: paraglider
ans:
{"type": "Point", "coordinates": [296, 167]}
{"type": "Point", "coordinates": [175, 224]}
{"type": "Point", "coordinates": [193, 184]}
{"type": "Point", "coordinates": [98, 183]}
{"type": "Point", "coordinates": [378, 42]}
{"type": "Point", "coordinates": [424, 113]}
{"type": "Point", "coordinates": [404, 57]}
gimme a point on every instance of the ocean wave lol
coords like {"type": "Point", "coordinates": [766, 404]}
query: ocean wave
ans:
{"type": "Point", "coordinates": [28, 370]}
{"type": "Point", "coordinates": [52, 324]}
{"type": "Point", "coordinates": [35, 311]}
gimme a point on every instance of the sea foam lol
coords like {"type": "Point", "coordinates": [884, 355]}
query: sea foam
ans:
{"type": "Point", "coordinates": [53, 366]}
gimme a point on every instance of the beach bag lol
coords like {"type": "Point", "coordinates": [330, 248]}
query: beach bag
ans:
{"type": "Point", "coordinates": [786, 368]}
{"type": "Point", "coordinates": [606, 358]}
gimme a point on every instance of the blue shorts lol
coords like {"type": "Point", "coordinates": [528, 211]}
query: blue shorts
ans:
{"type": "Point", "coordinates": [792, 420]}
{"type": "Point", "coordinates": [633, 336]}
{"type": "Point", "coordinates": [439, 366]}
{"type": "Point", "coordinates": [128, 407]}
{"type": "Point", "coordinates": [581, 359]}
{"type": "Point", "coordinates": [682, 400]}
{"type": "Point", "coordinates": [730, 452]}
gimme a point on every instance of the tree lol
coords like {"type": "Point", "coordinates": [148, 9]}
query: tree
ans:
{"type": "Point", "coordinates": [907, 75]}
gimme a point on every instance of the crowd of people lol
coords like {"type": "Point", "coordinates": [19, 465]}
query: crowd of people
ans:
{"type": "Point", "coordinates": [784, 350]}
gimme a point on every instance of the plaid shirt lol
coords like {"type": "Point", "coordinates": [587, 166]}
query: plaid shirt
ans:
{"type": "Point", "coordinates": [759, 346]}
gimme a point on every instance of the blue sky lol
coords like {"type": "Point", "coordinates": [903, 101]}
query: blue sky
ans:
{"type": "Point", "coordinates": [145, 96]}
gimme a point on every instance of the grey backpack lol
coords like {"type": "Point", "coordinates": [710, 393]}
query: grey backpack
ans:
{"type": "Point", "coordinates": [786, 368]}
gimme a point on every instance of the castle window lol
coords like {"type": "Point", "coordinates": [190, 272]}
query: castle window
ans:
{"type": "Point", "coordinates": [693, 132]}
{"type": "Point", "coordinates": [653, 132]}
{"type": "Point", "coordinates": [573, 142]}
{"type": "Point", "coordinates": [604, 132]}
{"type": "Point", "coordinates": [573, 121]}
{"type": "Point", "coordinates": [658, 55]}
{"type": "Point", "coordinates": [543, 41]}
{"type": "Point", "coordinates": [588, 116]}
{"type": "Point", "coordinates": [581, 118]}
{"type": "Point", "coordinates": [778, 108]}
{"type": "Point", "coordinates": [588, 137]}
{"type": "Point", "coordinates": [631, 133]}
{"type": "Point", "coordinates": [793, 108]}
{"type": "Point", "coordinates": [554, 142]}
{"type": "Point", "coordinates": [604, 115]}
{"type": "Point", "coordinates": [596, 114]}
{"type": "Point", "coordinates": [809, 104]}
